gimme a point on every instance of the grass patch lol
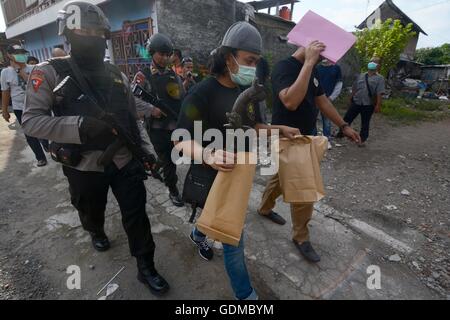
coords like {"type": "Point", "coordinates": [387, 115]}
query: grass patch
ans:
{"type": "Point", "coordinates": [412, 110]}
{"type": "Point", "coordinates": [396, 110]}
{"type": "Point", "coordinates": [429, 105]}
{"type": "Point", "coordinates": [402, 110]}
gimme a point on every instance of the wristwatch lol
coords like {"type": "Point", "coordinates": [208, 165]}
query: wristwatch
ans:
{"type": "Point", "coordinates": [345, 125]}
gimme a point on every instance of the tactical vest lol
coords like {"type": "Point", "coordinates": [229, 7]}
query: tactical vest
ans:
{"type": "Point", "coordinates": [115, 101]}
{"type": "Point", "coordinates": [167, 88]}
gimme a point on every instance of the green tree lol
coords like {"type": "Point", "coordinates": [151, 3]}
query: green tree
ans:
{"type": "Point", "coordinates": [433, 56]}
{"type": "Point", "coordinates": [386, 40]}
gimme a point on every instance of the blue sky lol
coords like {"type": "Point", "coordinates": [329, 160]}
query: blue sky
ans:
{"type": "Point", "coordinates": [432, 15]}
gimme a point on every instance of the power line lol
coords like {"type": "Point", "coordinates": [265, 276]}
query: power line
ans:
{"type": "Point", "coordinates": [367, 7]}
{"type": "Point", "coordinates": [430, 6]}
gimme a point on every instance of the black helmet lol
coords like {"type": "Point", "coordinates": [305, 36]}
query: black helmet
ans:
{"type": "Point", "coordinates": [159, 43]}
{"type": "Point", "coordinates": [243, 36]}
{"type": "Point", "coordinates": [82, 15]}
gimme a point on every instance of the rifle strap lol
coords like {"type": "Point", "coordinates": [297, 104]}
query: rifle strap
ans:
{"type": "Point", "coordinates": [81, 79]}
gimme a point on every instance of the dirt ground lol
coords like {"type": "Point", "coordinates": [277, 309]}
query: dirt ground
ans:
{"type": "Point", "coordinates": [387, 204]}
{"type": "Point", "coordinates": [411, 159]}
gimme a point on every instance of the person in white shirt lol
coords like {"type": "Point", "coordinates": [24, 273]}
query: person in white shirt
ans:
{"type": "Point", "coordinates": [13, 81]}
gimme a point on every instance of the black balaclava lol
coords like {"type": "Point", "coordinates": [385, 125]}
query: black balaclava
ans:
{"type": "Point", "coordinates": [88, 51]}
{"type": "Point", "coordinates": [160, 68]}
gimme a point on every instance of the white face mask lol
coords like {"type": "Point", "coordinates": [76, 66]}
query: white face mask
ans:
{"type": "Point", "coordinates": [245, 75]}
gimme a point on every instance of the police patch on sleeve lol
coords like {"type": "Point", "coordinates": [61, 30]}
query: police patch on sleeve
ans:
{"type": "Point", "coordinates": [37, 78]}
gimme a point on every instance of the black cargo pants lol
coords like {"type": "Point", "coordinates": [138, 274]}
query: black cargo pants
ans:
{"type": "Point", "coordinates": [89, 193]}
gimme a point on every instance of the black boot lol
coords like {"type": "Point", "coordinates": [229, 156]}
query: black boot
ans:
{"type": "Point", "coordinates": [100, 241]}
{"type": "Point", "coordinates": [148, 275]}
{"type": "Point", "coordinates": [175, 197]}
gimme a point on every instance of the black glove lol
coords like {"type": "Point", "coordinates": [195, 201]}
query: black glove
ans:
{"type": "Point", "coordinates": [94, 131]}
{"type": "Point", "coordinates": [150, 160]}
{"type": "Point", "coordinates": [151, 164]}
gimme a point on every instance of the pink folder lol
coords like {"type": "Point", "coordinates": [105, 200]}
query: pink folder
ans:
{"type": "Point", "coordinates": [314, 27]}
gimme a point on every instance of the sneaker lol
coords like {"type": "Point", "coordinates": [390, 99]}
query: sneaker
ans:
{"type": "Point", "coordinates": [204, 249]}
{"type": "Point", "coordinates": [330, 146]}
{"type": "Point", "coordinates": [42, 163]}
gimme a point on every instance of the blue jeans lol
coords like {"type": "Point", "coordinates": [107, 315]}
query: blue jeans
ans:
{"type": "Point", "coordinates": [234, 259]}
{"type": "Point", "coordinates": [326, 127]}
{"type": "Point", "coordinates": [34, 143]}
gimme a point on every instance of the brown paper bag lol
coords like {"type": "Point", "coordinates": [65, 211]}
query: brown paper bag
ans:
{"type": "Point", "coordinates": [299, 169]}
{"type": "Point", "coordinates": [223, 217]}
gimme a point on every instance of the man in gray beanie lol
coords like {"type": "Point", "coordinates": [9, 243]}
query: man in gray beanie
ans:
{"type": "Point", "coordinates": [233, 66]}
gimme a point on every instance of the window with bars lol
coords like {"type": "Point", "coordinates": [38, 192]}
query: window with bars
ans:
{"type": "Point", "coordinates": [129, 46]}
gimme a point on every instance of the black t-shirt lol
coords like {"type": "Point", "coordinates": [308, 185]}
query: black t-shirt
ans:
{"type": "Point", "coordinates": [209, 102]}
{"type": "Point", "coordinates": [284, 75]}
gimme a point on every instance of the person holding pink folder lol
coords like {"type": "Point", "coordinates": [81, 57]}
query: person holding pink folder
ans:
{"type": "Point", "coordinates": [298, 95]}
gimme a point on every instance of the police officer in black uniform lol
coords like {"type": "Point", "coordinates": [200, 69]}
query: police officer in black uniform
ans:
{"type": "Point", "coordinates": [80, 137]}
{"type": "Point", "coordinates": [163, 83]}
